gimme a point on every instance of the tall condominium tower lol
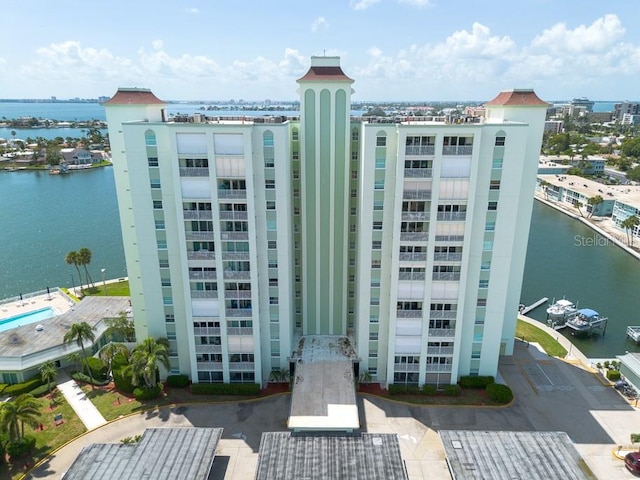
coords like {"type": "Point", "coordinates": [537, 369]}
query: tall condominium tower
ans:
{"type": "Point", "coordinates": [407, 235]}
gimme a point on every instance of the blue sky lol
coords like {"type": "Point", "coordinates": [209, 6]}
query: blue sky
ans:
{"type": "Point", "coordinates": [254, 49]}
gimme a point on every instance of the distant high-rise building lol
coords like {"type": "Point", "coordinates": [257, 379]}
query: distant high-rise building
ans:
{"type": "Point", "coordinates": [620, 109]}
{"type": "Point", "coordinates": [583, 102]}
{"type": "Point", "coordinates": [407, 235]}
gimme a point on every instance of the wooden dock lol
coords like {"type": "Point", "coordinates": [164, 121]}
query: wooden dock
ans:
{"type": "Point", "coordinates": [533, 306]}
{"type": "Point", "coordinates": [633, 333]}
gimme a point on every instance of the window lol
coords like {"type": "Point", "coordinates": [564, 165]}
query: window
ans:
{"type": "Point", "coordinates": [377, 225]}
{"type": "Point", "coordinates": [296, 193]}
{"type": "Point", "coordinates": [272, 244]}
{"type": "Point", "coordinates": [155, 183]}
{"type": "Point", "coordinates": [271, 205]}
{"type": "Point", "coordinates": [352, 228]}
{"type": "Point", "coordinates": [153, 161]}
{"type": "Point", "coordinates": [381, 141]}
{"type": "Point", "coordinates": [269, 184]}
{"type": "Point", "coordinates": [482, 302]}
{"type": "Point", "coordinates": [149, 138]}
{"type": "Point", "coordinates": [494, 185]}
{"type": "Point", "coordinates": [483, 284]}
{"type": "Point", "coordinates": [500, 141]}
{"type": "Point", "coordinates": [353, 210]}
{"type": "Point", "coordinates": [378, 204]}
{"type": "Point", "coordinates": [354, 174]}
{"type": "Point", "coordinates": [380, 163]}
{"type": "Point", "coordinates": [294, 134]}
{"type": "Point", "coordinates": [296, 174]}
{"type": "Point", "coordinates": [354, 193]}
{"type": "Point", "coordinates": [273, 282]}
{"type": "Point", "coordinates": [375, 263]}
{"type": "Point", "coordinates": [376, 245]}
{"type": "Point", "coordinates": [354, 136]}
{"type": "Point", "coordinates": [273, 264]}
{"type": "Point", "coordinates": [373, 336]}
{"type": "Point", "coordinates": [354, 156]}
{"type": "Point", "coordinates": [273, 300]}
{"type": "Point", "coordinates": [497, 163]}
{"type": "Point", "coordinates": [163, 263]}
{"type": "Point", "coordinates": [379, 185]}
{"type": "Point", "coordinates": [159, 224]}
{"type": "Point", "coordinates": [162, 243]}
{"type": "Point", "coordinates": [374, 319]}
{"type": "Point", "coordinates": [169, 318]}
{"type": "Point", "coordinates": [157, 204]}
{"type": "Point", "coordinates": [492, 206]}
{"type": "Point", "coordinates": [268, 162]}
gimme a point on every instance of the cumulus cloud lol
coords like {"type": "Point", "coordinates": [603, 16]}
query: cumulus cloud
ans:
{"type": "Point", "coordinates": [318, 23]}
{"type": "Point", "coordinates": [597, 37]}
{"type": "Point", "coordinates": [362, 4]}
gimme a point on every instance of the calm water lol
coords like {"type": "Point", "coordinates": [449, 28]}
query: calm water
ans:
{"type": "Point", "coordinates": [42, 217]}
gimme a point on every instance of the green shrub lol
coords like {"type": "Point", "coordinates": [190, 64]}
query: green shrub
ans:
{"type": "Point", "coordinates": [613, 374]}
{"type": "Point", "coordinates": [122, 380]}
{"type": "Point", "coordinates": [24, 445]}
{"type": "Point", "coordinates": [97, 367]}
{"type": "Point", "coordinates": [469, 381]}
{"type": "Point", "coordinates": [429, 389]}
{"type": "Point", "coordinates": [143, 394]}
{"type": "Point", "coordinates": [178, 381]}
{"type": "Point", "coordinates": [452, 390]}
{"type": "Point", "coordinates": [401, 388]}
{"type": "Point", "coordinates": [225, 389]}
{"type": "Point", "coordinates": [42, 390]}
{"type": "Point", "coordinates": [499, 393]}
{"type": "Point", "coordinates": [24, 387]}
{"type": "Point", "coordinates": [81, 377]}
{"type": "Point", "coordinates": [119, 361]}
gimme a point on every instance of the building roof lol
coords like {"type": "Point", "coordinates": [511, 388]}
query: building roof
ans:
{"type": "Point", "coordinates": [162, 453]}
{"type": "Point", "coordinates": [509, 455]}
{"type": "Point", "coordinates": [627, 194]}
{"type": "Point", "coordinates": [517, 97]}
{"type": "Point", "coordinates": [330, 74]}
{"type": "Point", "coordinates": [134, 96]}
{"type": "Point", "coordinates": [369, 456]}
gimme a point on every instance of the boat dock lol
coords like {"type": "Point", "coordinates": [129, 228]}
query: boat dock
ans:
{"type": "Point", "coordinates": [633, 333]}
{"type": "Point", "coordinates": [533, 306]}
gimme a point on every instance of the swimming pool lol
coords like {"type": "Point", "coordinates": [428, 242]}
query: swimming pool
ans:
{"type": "Point", "coordinates": [27, 318]}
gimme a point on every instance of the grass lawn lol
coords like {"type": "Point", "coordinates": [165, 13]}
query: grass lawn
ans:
{"type": "Point", "coordinates": [117, 289]}
{"type": "Point", "coordinates": [51, 437]}
{"type": "Point", "coordinates": [531, 333]}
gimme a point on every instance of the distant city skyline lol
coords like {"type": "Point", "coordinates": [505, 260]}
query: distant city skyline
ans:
{"type": "Point", "coordinates": [398, 50]}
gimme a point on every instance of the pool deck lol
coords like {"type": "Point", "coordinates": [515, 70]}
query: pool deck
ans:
{"type": "Point", "coordinates": [56, 300]}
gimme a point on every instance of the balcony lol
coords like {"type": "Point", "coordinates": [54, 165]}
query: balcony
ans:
{"type": "Point", "coordinates": [238, 312]}
{"type": "Point", "coordinates": [415, 216]}
{"type": "Point", "coordinates": [235, 256]}
{"type": "Point", "coordinates": [446, 276]}
{"type": "Point", "coordinates": [418, 172]}
{"type": "Point", "coordinates": [236, 275]}
{"type": "Point", "coordinates": [200, 236]}
{"type": "Point", "coordinates": [204, 294]}
{"type": "Point", "coordinates": [201, 255]}
{"type": "Point", "coordinates": [447, 257]}
{"type": "Point", "coordinates": [209, 366]}
{"type": "Point", "coordinates": [194, 171]}
{"type": "Point", "coordinates": [197, 214]}
{"type": "Point", "coordinates": [439, 368]}
{"type": "Point", "coordinates": [442, 332]}
{"type": "Point", "coordinates": [452, 216]}
{"type": "Point", "coordinates": [207, 331]}
{"type": "Point", "coordinates": [414, 236]}
{"type": "Point", "coordinates": [443, 314]}
{"type": "Point", "coordinates": [237, 293]}
{"type": "Point", "coordinates": [234, 236]}
{"type": "Point", "coordinates": [409, 313]}
{"type": "Point", "coordinates": [459, 150]}
{"type": "Point", "coordinates": [239, 330]}
{"type": "Point", "coordinates": [222, 193]}
{"type": "Point", "coordinates": [242, 366]}
{"type": "Point", "coordinates": [406, 367]}
{"type": "Point", "coordinates": [208, 348]}
{"type": "Point", "coordinates": [224, 215]}
{"type": "Point", "coordinates": [413, 257]}
{"type": "Point", "coordinates": [202, 275]}
{"type": "Point", "coordinates": [411, 276]}
{"type": "Point", "coordinates": [420, 150]}
{"type": "Point", "coordinates": [449, 238]}
{"type": "Point", "coordinates": [416, 194]}
{"type": "Point", "coordinates": [439, 350]}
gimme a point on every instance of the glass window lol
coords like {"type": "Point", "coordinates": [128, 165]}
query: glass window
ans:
{"type": "Point", "coordinates": [381, 141]}
{"type": "Point", "coordinates": [271, 205]}
{"type": "Point", "coordinates": [153, 161]}
{"type": "Point", "coordinates": [269, 184]}
{"type": "Point", "coordinates": [500, 141]}
{"type": "Point", "coordinates": [157, 204]}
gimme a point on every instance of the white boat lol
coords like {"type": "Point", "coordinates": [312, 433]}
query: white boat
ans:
{"type": "Point", "coordinates": [558, 312]}
{"type": "Point", "coordinates": [585, 320]}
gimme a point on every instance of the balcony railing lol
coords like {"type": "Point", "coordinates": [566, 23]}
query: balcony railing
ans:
{"type": "Point", "coordinates": [439, 367]}
{"type": "Point", "coordinates": [235, 255]}
{"type": "Point", "coordinates": [439, 350]}
{"type": "Point", "coordinates": [209, 366]}
{"type": "Point", "coordinates": [442, 332]}
{"type": "Point", "coordinates": [414, 236]}
{"type": "Point", "coordinates": [415, 216]}
{"type": "Point", "coordinates": [237, 293]}
{"type": "Point", "coordinates": [224, 215]}
{"type": "Point", "coordinates": [208, 348]}
{"type": "Point", "coordinates": [197, 214]}
{"type": "Point", "coordinates": [208, 331]}
{"type": "Point", "coordinates": [239, 330]}
{"type": "Point", "coordinates": [443, 314]}
{"type": "Point", "coordinates": [446, 276]}
{"type": "Point", "coordinates": [201, 255]}
{"type": "Point", "coordinates": [222, 193]}
{"type": "Point", "coordinates": [409, 313]}
{"type": "Point", "coordinates": [418, 172]}
{"type": "Point", "coordinates": [420, 150]}
{"type": "Point", "coordinates": [238, 312]}
{"type": "Point", "coordinates": [236, 275]}
{"type": "Point", "coordinates": [416, 194]}
{"type": "Point", "coordinates": [202, 275]}
{"type": "Point", "coordinates": [242, 366]}
{"type": "Point", "coordinates": [411, 276]}
{"type": "Point", "coordinates": [449, 238]}
{"type": "Point", "coordinates": [459, 150]}
{"type": "Point", "coordinates": [413, 257]}
{"type": "Point", "coordinates": [234, 235]}
{"type": "Point", "coordinates": [204, 294]}
{"type": "Point", "coordinates": [194, 171]}
{"type": "Point", "coordinates": [452, 216]}
{"type": "Point", "coordinates": [447, 257]}
{"type": "Point", "coordinates": [406, 367]}
{"type": "Point", "coordinates": [202, 236]}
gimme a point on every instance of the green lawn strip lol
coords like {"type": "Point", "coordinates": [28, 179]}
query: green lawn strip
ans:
{"type": "Point", "coordinates": [469, 397]}
{"type": "Point", "coordinates": [531, 333]}
{"type": "Point", "coordinates": [117, 289]}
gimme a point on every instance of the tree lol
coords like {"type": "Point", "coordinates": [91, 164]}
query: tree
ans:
{"type": "Point", "coordinates": [631, 147]}
{"type": "Point", "coordinates": [80, 333]}
{"type": "Point", "coordinates": [629, 224]}
{"type": "Point", "coordinates": [634, 174]}
{"type": "Point", "coordinates": [544, 185]}
{"type": "Point", "coordinates": [48, 372]}
{"type": "Point", "coordinates": [595, 202]}
{"type": "Point", "coordinates": [84, 259]}
{"type": "Point", "coordinates": [109, 351]}
{"type": "Point", "coordinates": [15, 413]}
{"type": "Point", "coordinates": [72, 258]}
{"type": "Point", "coordinates": [578, 205]}
{"type": "Point", "coordinates": [75, 358]}
{"type": "Point", "coordinates": [121, 328]}
{"type": "Point", "coordinates": [145, 358]}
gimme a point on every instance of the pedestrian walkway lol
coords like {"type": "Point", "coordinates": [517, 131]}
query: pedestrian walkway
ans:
{"type": "Point", "coordinates": [86, 411]}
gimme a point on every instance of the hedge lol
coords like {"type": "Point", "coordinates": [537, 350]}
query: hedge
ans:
{"type": "Point", "coordinates": [225, 389]}
{"type": "Point", "coordinates": [429, 389]}
{"type": "Point", "coordinates": [22, 446]}
{"type": "Point", "coordinates": [499, 393]}
{"type": "Point", "coordinates": [119, 361]}
{"type": "Point", "coordinates": [401, 388]}
{"type": "Point", "coordinates": [613, 374]}
{"type": "Point", "coordinates": [24, 387]}
{"type": "Point", "coordinates": [97, 367]}
{"type": "Point", "coordinates": [178, 381]}
{"type": "Point", "coordinates": [81, 377]}
{"type": "Point", "coordinates": [142, 394]}
{"type": "Point", "coordinates": [122, 380]}
{"type": "Point", "coordinates": [42, 390]}
{"type": "Point", "coordinates": [469, 381]}
{"type": "Point", "coordinates": [452, 390]}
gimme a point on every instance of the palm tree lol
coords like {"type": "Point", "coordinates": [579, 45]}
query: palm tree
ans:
{"type": "Point", "coordinates": [145, 358]}
{"type": "Point", "coordinates": [81, 332]}
{"type": "Point", "coordinates": [121, 327]}
{"type": "Point", "coordinates": [75, 358]}
{"type": "Point", "coordinates": [595, 203]}
{"type": "Point", "coordinates": [109, 351]}
{"type": "Point", "coordinates": [629, 224]}
{"type": "Point", "coordinates": [13, 414]}
{"type": "Point", "coordinates": [578, 205]}
{"type": "Point", "coordinates": [72, 258]}
{"type": "Point", "coordinates": [544, 185]}
{"type": "Point", "coordinates": [48, 372]}
{"type": "Point", "coordinates": [84, 259]}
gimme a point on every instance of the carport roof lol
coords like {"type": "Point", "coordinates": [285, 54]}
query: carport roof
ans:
{"type": "Point", "coordinates": [509, 455]}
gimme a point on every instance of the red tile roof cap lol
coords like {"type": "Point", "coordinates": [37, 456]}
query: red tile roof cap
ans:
{"type": "Point", "coordinates": [134, 96]}
{"type": "Point", "coordinates": [324, 73]}
{"type": "Point", "coordinates": [524, 97]}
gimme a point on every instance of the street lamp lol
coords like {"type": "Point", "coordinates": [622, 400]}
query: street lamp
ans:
{"type": "Point", "coordinates": [73, 284]}
{"type": "Point", "coordinates": [104, 284]}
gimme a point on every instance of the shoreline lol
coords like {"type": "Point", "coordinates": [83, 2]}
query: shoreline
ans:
{"type": "Point", "coordinates": [610, 236]}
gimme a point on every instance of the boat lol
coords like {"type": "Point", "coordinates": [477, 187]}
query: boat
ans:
{"type": "Point", "coordinates": [559, 311]}
{"type": "Point", "coordinates": [585, 320]}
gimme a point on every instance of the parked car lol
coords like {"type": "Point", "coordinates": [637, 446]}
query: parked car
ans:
{"type": "Point", "coordinates": [632, 462]}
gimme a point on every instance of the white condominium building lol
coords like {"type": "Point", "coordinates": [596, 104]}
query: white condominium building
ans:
{"type": "Point", "coordinates": [408, 235]}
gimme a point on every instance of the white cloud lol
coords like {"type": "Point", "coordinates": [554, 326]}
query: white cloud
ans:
{"type": "Point", "coordinates": [192, 10]}
{"type": "Point", "coordinates": [363, 4]}
{"type": "Point", "coordinates": [318, 23]}
{"type": "Point", "coordinates": [597, 37]}
{"type": "Point", "coordinates": [416, 3]}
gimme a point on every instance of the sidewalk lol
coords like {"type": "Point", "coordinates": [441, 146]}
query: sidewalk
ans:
{"type": "Point", "coordinates": [88, 413]}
